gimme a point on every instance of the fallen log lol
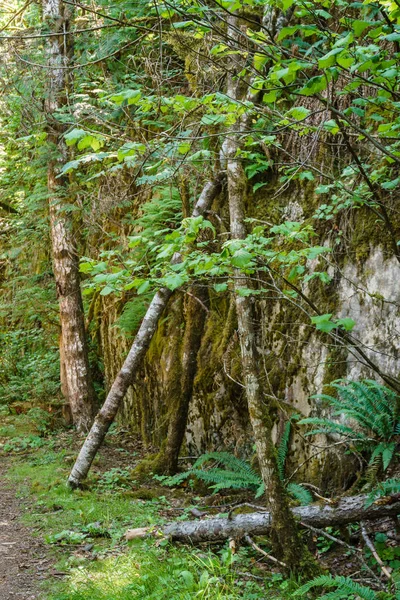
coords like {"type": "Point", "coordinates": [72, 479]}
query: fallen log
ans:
{"type": "Point", "coordinates": [346, 510]}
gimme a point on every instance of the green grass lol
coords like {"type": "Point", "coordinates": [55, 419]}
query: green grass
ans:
{"type": "Point", "coordinates": [84, 532]}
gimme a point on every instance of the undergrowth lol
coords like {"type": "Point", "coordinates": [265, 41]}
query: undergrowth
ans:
{"type": "Point", "coordinates": [84, 533]}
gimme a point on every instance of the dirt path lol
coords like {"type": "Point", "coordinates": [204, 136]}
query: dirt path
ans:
{"type": "Point", "coordinates": [23, 562]}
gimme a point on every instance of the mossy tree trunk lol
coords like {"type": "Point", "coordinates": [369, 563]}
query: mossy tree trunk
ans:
{"type": "Point", "coordinates": [286, 538]}
{"type": "Point", "coordinates": [76, 379]}
{"type": "Point", "coordinates": [135, 356]}
{"type": "Point", "coordinates": [181, 388]}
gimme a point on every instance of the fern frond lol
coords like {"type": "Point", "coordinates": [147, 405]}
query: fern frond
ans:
{"type": "Point", "coordinates": [386, 488]}
{"type": "Point", "coordinates": [374, 407]}
{"type": "Point", "coordinates": [283, 450]}
{"type": "Point", "coordinates": [344, 586]}
{"type": "Point", "coordinates": [300, 493]}
{"type": "Point", "coordinates": [327, 426]}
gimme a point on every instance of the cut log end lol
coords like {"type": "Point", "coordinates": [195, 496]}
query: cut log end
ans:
{"type": "Point", "coordinates": [140, 532]}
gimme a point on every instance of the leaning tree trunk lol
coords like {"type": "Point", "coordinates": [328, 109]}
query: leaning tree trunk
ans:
{"type": "Point", "coordinates": [77, 380]}
{"type": "Point", "coordinates": [135, 356]}
{"type": "Point", "coordinates": [285, 535]}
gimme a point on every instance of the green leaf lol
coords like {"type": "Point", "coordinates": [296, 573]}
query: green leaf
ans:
{"type": "Point", "coordinates": [73, 136]}
{"type": "Point", "coordinates": [298, 112]}
{"type": "Point", "coordinates": [107, 290]}
{"type": "Point", "coordinates": [174, 281]}
{"type": "Point", "coordinates": [130, 96]}
{"type": "Point", "coordinates": [391, 185]}
{"type": "Point", "coordinates": [314, 86]}
{"type": "Point", "coordinates": [331, 126]}
{"type": "Point", "coordinates": [270, 96]}
{"type": "Point", "coordinates": [393, 37]}
{"type": "Point", "coordinates": [286, 31]}
{"type": "Point", "coordinates": [323, 323]}
{"type": "Point", "coordinates": [329, 59]}
{"type": "Point", "coordinates": [143, 287]}
{"type": "Point", "coordinates": [241, 258]}
{"type": "Point", "coordinates": [213, 119]}
{"type": "Point", "coordinates": [220, 287]}
{"type": "Point", "coordinates": [359, 27]}
{"type": "Point", "coordinates": [347, 323]}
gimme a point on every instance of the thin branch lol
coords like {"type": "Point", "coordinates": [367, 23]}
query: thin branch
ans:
{"type": "Point", "coordinates": [261, 551]}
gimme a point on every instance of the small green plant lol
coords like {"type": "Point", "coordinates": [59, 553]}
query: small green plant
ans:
{"type": "Point", "coordinates": [19, 444]}
{"type": "Point", "coordinates": [40, 419]}
{"type": "Point", "coordinates": [385, 488]}
{"type": "Point", "coordinates": [229, 472]}
{"type": "Point", "coordinates": [66, 537]}
{"type": "Point", "coordinates": [375, 410]}
{"type": "Point", "coordinates": [343, 588]}
{"type": "Point", "coordinates": [114, 478]}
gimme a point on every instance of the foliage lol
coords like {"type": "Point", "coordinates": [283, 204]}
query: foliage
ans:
{"type": "Point", "coordinates": [386, 488]}
{"type": "Point", "coordinates": [343, 588]}
{"type": "Point", "coordinates": [229, 472]}
{"type": "Point", "coordinates": [97, 519]}
{"type": "Point", "coordinates": [28, 370]}
{"type": "Point", "coordinates": [375, 410]}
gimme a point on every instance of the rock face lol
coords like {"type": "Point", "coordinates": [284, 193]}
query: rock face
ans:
{"type": "Point", "coordinates": [298, 360]}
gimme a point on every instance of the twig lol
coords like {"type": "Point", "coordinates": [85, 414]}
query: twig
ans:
{"type": "Point", "coordinates": [371, 546]}
{"type": "Point", "coordinates": [356, 551]}
{"type": "Point", "coordinates": [261, 551]}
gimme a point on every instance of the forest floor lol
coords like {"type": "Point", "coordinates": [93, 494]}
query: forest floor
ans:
{"type": "Point", "coordinates": [56, 544]}
{"type": "Point", "coordinates": [23, 558]}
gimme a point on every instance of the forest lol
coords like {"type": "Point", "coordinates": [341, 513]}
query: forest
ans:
{"type": "Point", "coordinates": [199, 299]}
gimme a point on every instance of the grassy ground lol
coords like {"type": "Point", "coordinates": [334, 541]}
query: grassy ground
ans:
{"type": "Point", "coordinates": [83, 530]}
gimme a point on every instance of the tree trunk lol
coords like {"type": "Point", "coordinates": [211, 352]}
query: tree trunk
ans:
{"type": "Point", "coordinates": [195, 317]}
{"type": "Point", "coordinates": [285, 536]}
{"type": "Point", "coordinates": [77, 380]}
{"type": "Point", "coordinates": [347, 510]}
{"type": "Point", "coordinates": [136, 354]}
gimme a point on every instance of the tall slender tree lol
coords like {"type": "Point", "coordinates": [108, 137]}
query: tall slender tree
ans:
{"type": "Point", "coordinates": [285, 535]}
{"type": "Point", "coordinates": [77, 381]}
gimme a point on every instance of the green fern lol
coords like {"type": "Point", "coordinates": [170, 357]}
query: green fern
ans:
{"type": "Point", "coordinates": [374, 408]}
{"type": "Point", "coordinates": [344, 589]}
{"type": "Point", "coordinates": [229, 472]}
{"type": "Point", "coordinates": [386, 488]}
{"type": "Point", "coordinates": [283, 449]}
{"type": "Point", "coordinates": [299, 493]}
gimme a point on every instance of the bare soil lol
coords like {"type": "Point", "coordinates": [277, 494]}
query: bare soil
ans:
{"type": "Point", "coordinates": [23, 560]}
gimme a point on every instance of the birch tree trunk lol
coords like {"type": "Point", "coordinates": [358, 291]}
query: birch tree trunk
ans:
{"type": "Point", "coordinates": [285, 535]}
{"type": "Point", "coordinates": [135, 356]}
{"type": "Point", "coordinates": [77, 381]}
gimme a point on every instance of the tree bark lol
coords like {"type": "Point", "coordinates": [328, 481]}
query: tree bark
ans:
{"type": "Point", "coordinates": [347, 510]}
{"type": "Point", "coordinates": [136, 354]}
{"type": "Point", "coordinates": [285, 536]}
{"type": "Point", "coordinates": [181, 394]}
{"type": "Point", "coordinates": [77, 382]}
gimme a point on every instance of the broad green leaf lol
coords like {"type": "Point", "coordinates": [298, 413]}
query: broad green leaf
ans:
{"type": "Point", "coordinates": [286, 31]}
{"type": "Point", "coordinates": [298, 112]}
{"type": "Point", "coordinates": [241, 258]}
{"type": "Point", "coordinates": [174, 281]}
{"type": "Point", "coordinates": [347, 323]}
{"type": "Point", "coordinates": [323, 323]}
{"type": "Point", "coordinates": [220, 287]}
{"type": "Point", "coordinates": [329, 59]}
{"type": "Point", "coordinates": [143, 287]}
{"type": "Point", "coordinates": [314, 86]}
{"type": "Point", "coordinates": [73, 136]}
